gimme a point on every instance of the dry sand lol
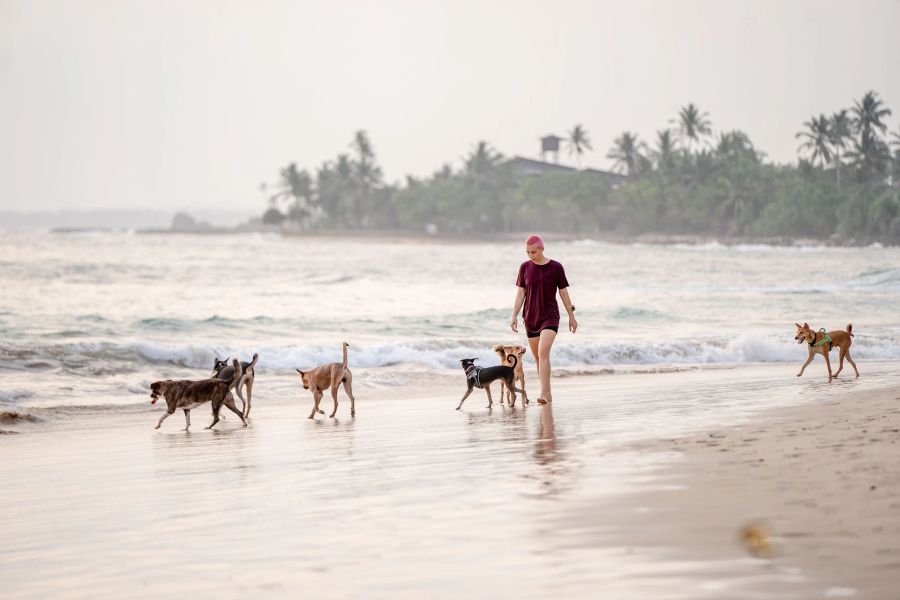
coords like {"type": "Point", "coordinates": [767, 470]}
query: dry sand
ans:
{"type": "Point", "coordinates": [415, 500]}
{"type": "Point", "coordinates": [818, 486]}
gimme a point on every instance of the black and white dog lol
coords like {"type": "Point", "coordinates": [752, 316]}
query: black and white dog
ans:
{"type": "Point", "coordinates": [482, 377]}
{"type": "Point", "coordinates": [223, 370]}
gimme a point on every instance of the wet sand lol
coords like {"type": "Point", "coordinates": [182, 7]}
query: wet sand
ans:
{"type": "Point", "coordinates": [412, 499]}
{"type": "Point", "coordinates": [818, 486]}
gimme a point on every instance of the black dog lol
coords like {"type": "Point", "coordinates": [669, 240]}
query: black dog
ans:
{"type": "Point", "coordinates": [482, 377]}
{"type": "Point", "coordinates": [223, 370]}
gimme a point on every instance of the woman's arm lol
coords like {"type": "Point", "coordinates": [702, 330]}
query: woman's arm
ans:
{"type": "Point", "coordinates": [517, 306]}
{"type": "Point", "coordinates": [567, 302]}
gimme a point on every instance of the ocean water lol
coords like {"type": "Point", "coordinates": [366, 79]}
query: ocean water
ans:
{"type": "Point", "coordinates": [410, 499]}
{"type": "Point", "coordinates": [92, 318]}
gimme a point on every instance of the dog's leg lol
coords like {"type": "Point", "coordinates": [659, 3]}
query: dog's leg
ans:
{"type": "Point", "coordinates": [163, 418]}
{"type": "Point", "coordinates": [487, 390]}
{"type": "Point", "coordinates": [348, 387]}
{"type": "Point", "coordinates": [828, 364]}
{"type": "Point", "coordinates": [187, 419]}
{"type": "Point", "coordinates": [237, 390]}
{"type": "Point", "coordinates": [468, 391]}
{"type": "Point", "coordinates": [335, 383]}
{"type": "Point", "coordinates": [216, 405]}
{"type": "Point", "coordinates": [318, 400]}
{"type": "Point", "coordinates": [524, 395]}
{"type": "Point", "coordinates": [503, 392]}
{"type": "Point", "coordinates": [852, 364]}
{"type": "Point", "coordinates": [229, 402]}
{"type": "Point", "coordinates": [521, 379]}
{"type": "Point", "coordinates": [841, 353]}
{"type": "Point", "coordinates": [317, 397]}
{"type": "Point", "coordinates": [249, 396]}
{"type": "Point", "coordinates": [806, 364]}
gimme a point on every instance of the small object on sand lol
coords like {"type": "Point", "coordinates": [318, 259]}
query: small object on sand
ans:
{"type": "Point", "coordinates": [756, 539]}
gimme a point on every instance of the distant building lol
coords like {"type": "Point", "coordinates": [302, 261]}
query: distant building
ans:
{"type": "Point", "coordinates": [529, 167]}
{"type": "Point", "coordinates": [550, 144]}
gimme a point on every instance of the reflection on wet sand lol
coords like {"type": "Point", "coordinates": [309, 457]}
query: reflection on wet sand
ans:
{"type": "Point", "coordinates": [555, 473]}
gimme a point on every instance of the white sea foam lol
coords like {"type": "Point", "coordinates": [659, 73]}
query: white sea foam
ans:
{"type": "Point", "coordinates": [13, 395]}
{"type": "Point", "coordinates": [746, 348]}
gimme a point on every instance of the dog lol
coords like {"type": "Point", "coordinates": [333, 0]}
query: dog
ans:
{"type": "Point", "coordinates": [187, 394]}
{"type": "Point", "coordinates": [222, 370]}
{"type": "Point", "coordinates": [505, 352]}
{"type": "Point", "coordinates": [329, 376]}
{"type": "Point", "coordinates": [482, 377]}
{"type": "Point", "coordinates": [820, 342]}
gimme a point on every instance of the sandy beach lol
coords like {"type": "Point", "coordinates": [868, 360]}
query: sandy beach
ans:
{"type": "Point", "coordinates": [818, 483]}
{"type": "Point", "coordinates": [412, 499]}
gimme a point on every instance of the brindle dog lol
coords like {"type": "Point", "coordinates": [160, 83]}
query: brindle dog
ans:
{"type": "Point", "coordinates": [186, 394]}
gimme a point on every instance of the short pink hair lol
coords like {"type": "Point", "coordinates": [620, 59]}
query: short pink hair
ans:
{"type": "Point", "coordinates": [535, 240]}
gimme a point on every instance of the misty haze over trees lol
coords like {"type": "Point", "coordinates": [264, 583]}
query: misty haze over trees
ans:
{"type": "Point", "coordinates": [689, 180]}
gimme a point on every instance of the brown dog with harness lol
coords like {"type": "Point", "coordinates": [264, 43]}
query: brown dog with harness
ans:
{"type": "Point", "coordinates": [821, 342]}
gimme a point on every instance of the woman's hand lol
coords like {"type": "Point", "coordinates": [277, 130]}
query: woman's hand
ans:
{"type": "Point", "coordinates": [573, 324]}
{"type": "Point", "coordinates": [514, 325]}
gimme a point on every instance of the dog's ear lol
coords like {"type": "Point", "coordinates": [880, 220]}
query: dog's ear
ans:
{"type": "Point", "coordinates": [806, 326]}
{"type": "Point", "coordinates": [299, 371]}
{"type": "Point", "coordinates": [798, 325]}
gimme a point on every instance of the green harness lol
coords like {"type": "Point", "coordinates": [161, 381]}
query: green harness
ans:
{"type": "Point", "coordinates": [826, 339]}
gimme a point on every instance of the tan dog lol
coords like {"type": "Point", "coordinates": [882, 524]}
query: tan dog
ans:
{"type": "Point", "coordinates": [822, 343]}
{"type": "Point", "coordinates": [329, 376]}
{"type": "Point", "coordinates": [504, 353]}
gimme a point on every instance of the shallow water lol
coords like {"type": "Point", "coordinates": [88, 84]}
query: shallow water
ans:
{"type": "Point", "coordinates": [104, 314]}
{"type": "Point", "coordinates": [410, 499]}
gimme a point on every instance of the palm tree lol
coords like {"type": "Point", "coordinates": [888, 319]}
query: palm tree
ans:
{"type": "Point", "coordinates": [868, 114]}
{"type": "Point", "coordinates": [664, 152]}
{"type": "Point", "coordinates": [482, 160]}
{"type": "Point", "coordinates": [841, 133]}
{"type": "Point", "coordinates": [817, 139]}
{"type": "Point", "coordinates": [578, 141]}
{"type": "Point", "coordinates": [692, 125]}
{"type": "Point", "coordinates": [444, 173]}
{"type": "Point", "coordinates": [870, 152]}
{"type": "Point", "coordinates": [367, 172]}
{"type": "Point", "coordinates": [734, 144]}
{"type": "Point", "coordinates": [295, 185]}
{"type": "Point", "coordinates": [627, 154]}
{"type": "Point", "coordinates": [895, 162]}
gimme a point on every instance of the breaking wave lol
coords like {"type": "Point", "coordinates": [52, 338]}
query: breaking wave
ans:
{"type": "Point", "coordinates": [435, 354]}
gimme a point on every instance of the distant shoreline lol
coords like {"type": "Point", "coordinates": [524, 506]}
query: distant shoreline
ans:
{"type": "Point", "coordinates": [661, 239]}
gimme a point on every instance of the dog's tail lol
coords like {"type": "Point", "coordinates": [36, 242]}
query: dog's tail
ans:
{"type": "Point", "coordinates": [511, 355]}
{"type": "Point", "coordinates": [344, 347]}
{"type": "Point", "coordinates": [246, 374]}
{"type": "Point", "coordinates": [849, 329]}
{"type": "Point", "coordinates": [238, 372]}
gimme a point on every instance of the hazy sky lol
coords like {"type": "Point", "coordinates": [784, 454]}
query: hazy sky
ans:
{"type": "Point", "coordinates": [184, 104]}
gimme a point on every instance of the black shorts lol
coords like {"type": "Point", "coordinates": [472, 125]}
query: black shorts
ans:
{"type": "Point", "coordinates": [534, 334]}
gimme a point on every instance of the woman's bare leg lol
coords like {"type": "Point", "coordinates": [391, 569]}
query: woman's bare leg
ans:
{"type": "Point", "coordinates": [533, 344]}
{"type": "Point", "coordinates": [545, 343]}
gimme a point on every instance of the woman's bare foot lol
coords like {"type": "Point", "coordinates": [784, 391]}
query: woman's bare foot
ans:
{"type": "Point", "coordinates": [541, 401]}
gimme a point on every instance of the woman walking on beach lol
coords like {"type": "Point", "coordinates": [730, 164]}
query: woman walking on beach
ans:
{"type": "Point", "coordinates": [539, 278]}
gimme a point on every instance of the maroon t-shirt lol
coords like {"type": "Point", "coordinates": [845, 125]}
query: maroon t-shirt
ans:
{"type": "Point", "coordinates": [540, 283]}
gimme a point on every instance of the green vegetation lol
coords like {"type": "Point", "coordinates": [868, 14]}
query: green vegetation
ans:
{"type": "Point", "coordinates": [692, 181]}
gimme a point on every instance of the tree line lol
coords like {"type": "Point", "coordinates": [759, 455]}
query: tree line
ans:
{"type": "Point", "coordinates": [689, 181]}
